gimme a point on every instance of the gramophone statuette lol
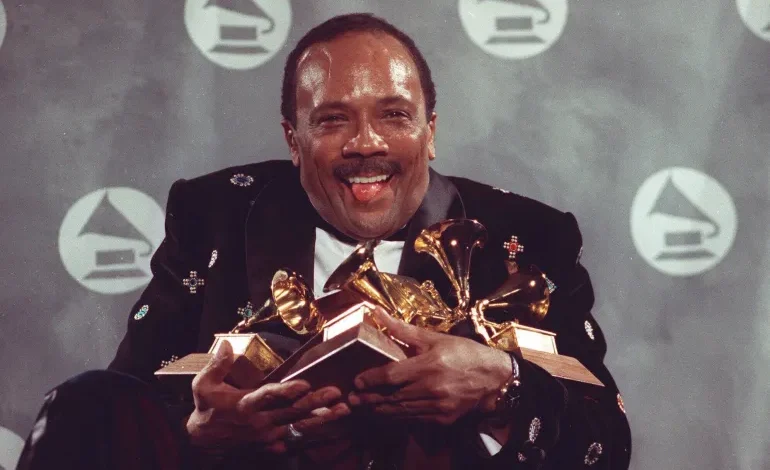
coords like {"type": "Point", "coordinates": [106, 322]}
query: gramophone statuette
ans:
{"type": "Point", "coordinates": [502, 320]}
{"type": "Point", "coordinates": [451, 243]}
{"type": "Point", "coordinates": [291, 301]}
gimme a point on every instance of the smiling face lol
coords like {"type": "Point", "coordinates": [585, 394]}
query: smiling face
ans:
{"type": "Point", "coordinates": [362, 139]}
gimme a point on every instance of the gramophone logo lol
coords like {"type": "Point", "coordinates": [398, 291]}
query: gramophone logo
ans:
{"type": "Point", "coordinates": [238, 34]}
{"type": "Point", "coordinates": [108, 237]}
{"type": "Point", "coordinates": [513, 29]}
{"type": "Point", "coordinates": [756, 15]}
{"type": "Point", "coordinates": [3, 23]}
{"type": "Point", "coordinates": [11, 446]}
{"type": "Point", "coordinates": [683, 222]}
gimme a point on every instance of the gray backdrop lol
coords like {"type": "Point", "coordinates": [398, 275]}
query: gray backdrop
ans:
{"type": "Point", "coordinates": [646, 118]}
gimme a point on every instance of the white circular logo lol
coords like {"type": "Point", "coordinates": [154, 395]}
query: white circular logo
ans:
{"type": "Point", "coordinates": [238, 34]}
{"type": "Point", "coordinates": [3, 23]}
{"type": "Point", "coordinates": [756, 15]}
{"type": "Point", "coordinates": [683, 222]}
{"type": "Point", "coordinates": [513, 29]}
{"type": "Point", "coordinates": [11, 446]}
{"type": "Point", "coordinates": [108, 237]}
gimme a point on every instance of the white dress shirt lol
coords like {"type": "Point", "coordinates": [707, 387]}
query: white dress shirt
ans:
{"type": "Point", "coordinates": [330, 252]}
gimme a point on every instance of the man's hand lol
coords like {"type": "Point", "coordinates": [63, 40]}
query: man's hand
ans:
{"type": "Point", "coordinates": [225, 416]}
{"type": "Point", "coordinates": [446, 378]}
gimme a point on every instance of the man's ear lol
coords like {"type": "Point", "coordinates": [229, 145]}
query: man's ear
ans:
{"type": "Point", "coordinates": [432, 141]}
{"type": "Point", "coordinates": [290, 135]}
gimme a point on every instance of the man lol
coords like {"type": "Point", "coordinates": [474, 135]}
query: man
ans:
{"type": "Point", "coordinates": [358, 117]}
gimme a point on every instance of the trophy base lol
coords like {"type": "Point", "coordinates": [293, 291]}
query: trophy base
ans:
{"type": "Point", "coordinates": [539, 347]}
{"type": "Point", "coordinates": [528, 337]}
{"type": "Point", "coordinates": [178, 375]}
{"type": "Point", "coordinates": [349, 345]}
{"type": "Point", "coordinates": [338, 361]}
{"type": "Point", "coordinates": [253, 360]}
{"type": "Point", "coordinates": [561, 366]}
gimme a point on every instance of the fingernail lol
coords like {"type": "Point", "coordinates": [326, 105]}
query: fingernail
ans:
{"type": "Point", "coordinates": [330, 395]}
{"type": "Point", "coordinates": [221, 350]}
{"type": "Point", "coordinates": [359, 383]}
{"type": "Point", "coordinates": [353, 399]}
{"type": "Point", "coordinates": [300, 386]}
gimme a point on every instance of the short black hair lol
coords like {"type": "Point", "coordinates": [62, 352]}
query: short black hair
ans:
{"type": "Point", "coordinates": [336, 27]}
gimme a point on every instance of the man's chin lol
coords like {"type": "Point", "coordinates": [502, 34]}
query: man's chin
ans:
{"type": "Point", "coordinates": [368, 228]}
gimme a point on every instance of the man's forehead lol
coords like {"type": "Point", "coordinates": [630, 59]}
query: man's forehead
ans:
{"type": "Point", "coordinates": [357, 61]}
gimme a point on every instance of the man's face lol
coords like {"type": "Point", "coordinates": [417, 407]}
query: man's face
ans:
{"type": "Point", "coordinates": [362, 139]}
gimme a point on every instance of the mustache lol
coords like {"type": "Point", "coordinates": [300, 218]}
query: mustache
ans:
{"type": "Point", "coordinates": [365, 166]}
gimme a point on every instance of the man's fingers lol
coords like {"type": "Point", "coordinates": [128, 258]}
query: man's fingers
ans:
{"type": "Point", "coordinates": [411, 408]}
{"type": "Point", "coordinates": [410, 400]}
{"type": "Point", "coordinates": [277, 447]}
{"type": "Point", "coordinates": [321, 417]}
{"type": "Point", "coordinates": [414, 336]}
{"type": "Point", "coordinates": [318, 399]}
{"type": "Point", "coordinates": [389, 375]}
{"type": "Point", "coordinates": [410, 392]}
{"type": "Point", "coordinates": [208, 386]}
{"type": "Point", "coordinates": [321, 411]}
{"type": "Point", "coordinates": [223, 398]}
{"type": "Point", "coordinates": [272, 436]}
{"type": "Point", "coordinates": [219, 366]}
{"type": "Point", "coordinates": [310, 423]}
{"type": "Point", "coordinates": [275, 395]}
{"type": "Point", "coordinates": [360, 399]}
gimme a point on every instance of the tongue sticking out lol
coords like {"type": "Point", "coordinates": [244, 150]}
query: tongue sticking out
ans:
{"type": "Point", "coordinates": [365, 192]}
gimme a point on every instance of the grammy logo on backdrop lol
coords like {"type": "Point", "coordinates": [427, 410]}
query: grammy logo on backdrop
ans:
{"type": "Point", "coordinates": [683, 244]}
{"type": "Point", "coordinates": [3, 23]}
{"type": "Point", "coordinates": [513, 29]}
{"type": "Point", "coordinates": [756, 16]}
{"type": "Point", "coordinates": [519, 29]}
{"type": "Point", "coordinates": [107, 239]}
{"type": "Point", "coordinates": [117, 244]}
{"type": "Point", "coordinates": [241, 38]}
{"type": "Point", "coordinates": [683, 221]}
{"type": "Point", "coordinates": [238, 34]}
{"type": "Point", "coordinates": [766, 29]}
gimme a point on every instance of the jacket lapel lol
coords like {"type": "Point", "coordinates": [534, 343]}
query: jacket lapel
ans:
{"type": "Point", "coordinates": [280, 233]}
{"type": "Point", "coordinates": [441, 202]}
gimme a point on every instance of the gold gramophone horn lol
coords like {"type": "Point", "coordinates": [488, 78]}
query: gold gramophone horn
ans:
{"type": "Point", "coordinates": [291, 301]}
{"type": "Point", "coordinates": [359, 274]}
{"type": "Point", "coordinates": [451, 243]}
{"type": "Point", "coordinates": [401, 296]}
{"type": "Point", "coordinates": [418, 304]}
{"type": "Point", "coordinates": [523, 292]}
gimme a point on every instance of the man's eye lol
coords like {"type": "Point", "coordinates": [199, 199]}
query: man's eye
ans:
{"type": "Point", "coordinates": [332, 118]}
{"type": "Point", "coordinates": [396, 114]}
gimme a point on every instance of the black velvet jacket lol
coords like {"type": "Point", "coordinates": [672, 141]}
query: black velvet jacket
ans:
{"type": "Point", "coordinates": [234, 228]}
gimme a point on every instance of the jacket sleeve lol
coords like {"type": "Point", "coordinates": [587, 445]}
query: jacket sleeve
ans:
{"type": "Point", "coordinates": [163, 324]}
{"type": "Point", "coordinates": [560, 424]}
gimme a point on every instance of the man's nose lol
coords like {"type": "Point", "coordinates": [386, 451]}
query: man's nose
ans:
{"type": "Point", "coordinates": [366, 143]}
